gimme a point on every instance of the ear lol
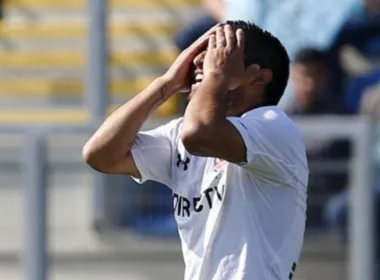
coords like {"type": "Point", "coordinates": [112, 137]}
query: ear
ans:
{"type": "Point", "coordinates": [257, 75]}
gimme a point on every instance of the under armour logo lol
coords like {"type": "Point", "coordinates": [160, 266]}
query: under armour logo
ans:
{"type": "Point", "coordinates": [184, 163]}
{"type": "Point", "coordinates": [294, 266]}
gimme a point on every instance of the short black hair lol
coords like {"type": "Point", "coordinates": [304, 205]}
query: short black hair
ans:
{"type": "Point", "coordinates": [264, 49]}
{"type": "Point", "coordinates": [312, 56]}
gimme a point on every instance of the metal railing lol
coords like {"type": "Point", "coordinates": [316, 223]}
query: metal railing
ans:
{"type": "Point", "coordinates": [361, 217]}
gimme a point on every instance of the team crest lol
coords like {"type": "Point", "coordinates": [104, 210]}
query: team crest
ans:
{"type": "Point", "coordinates": [219, 163]}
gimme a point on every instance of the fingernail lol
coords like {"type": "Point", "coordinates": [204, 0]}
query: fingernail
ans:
{"type": "Point", "coordinates": [256, 67]}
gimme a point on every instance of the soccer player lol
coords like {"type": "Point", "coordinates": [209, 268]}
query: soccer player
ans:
{"type": "Point", "coordinates": [235, 162]}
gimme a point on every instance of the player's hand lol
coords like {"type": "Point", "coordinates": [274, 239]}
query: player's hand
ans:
{"type": "Point", "coordinates": [178, 75]}
{"type": "Point", "coordinates": [225, 56]}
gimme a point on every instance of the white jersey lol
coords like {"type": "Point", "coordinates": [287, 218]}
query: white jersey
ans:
{"type": "Point", "coordinates": [235, 222]}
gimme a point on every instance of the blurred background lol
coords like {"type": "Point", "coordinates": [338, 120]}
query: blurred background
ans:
{"type": "Point", "coordinates": [60, 66]}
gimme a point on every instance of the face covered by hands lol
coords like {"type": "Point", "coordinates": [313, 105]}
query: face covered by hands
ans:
{"type": "Point", "coordinates": [224, 57]}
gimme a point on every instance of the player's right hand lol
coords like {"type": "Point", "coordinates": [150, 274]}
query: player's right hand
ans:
{"type": "Point", "coordinates": [225, 56]}
{"type": "Point", "coordinates": [178, 76]}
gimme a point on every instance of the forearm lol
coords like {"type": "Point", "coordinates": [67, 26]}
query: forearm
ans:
{"type": "Point", "coordinates": [116, 135]}
{"type": "Point", "coordinates": [206, 109]}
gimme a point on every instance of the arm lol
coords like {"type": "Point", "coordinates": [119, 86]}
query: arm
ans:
{"type": "Point", "coordinates": [206, 131]}
{"type": "Point", "coordinates": [108, 150]}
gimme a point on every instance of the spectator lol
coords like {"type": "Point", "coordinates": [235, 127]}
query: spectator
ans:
{"type": "Point", "coordinates": [336, 212]}
{"type": "Point", "coordinates": [314, 22]}
{"type": "Point", "coordinates": [370, 102]}
{"type": "Point", "coordinates": [336, 216]}
{"type": "Point", "coordinates": [310, 76]}
{"type": "Point", "coordinates": [356, 88]}
{"type": "Point", "coordinates": [362, 32]}
{"type": "Point", "coordinates": [364, 97]}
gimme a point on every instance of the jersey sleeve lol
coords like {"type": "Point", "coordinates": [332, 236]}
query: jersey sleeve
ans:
{"type": "Point", "coordinates": [152, 153]}
{"type": "Point", "coordinates": [272, 143]}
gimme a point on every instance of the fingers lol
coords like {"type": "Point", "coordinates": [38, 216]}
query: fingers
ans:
{"type": "Point", "coordinates": [210, 31]}
{"type": "Point", "coordinates": [221, 41]}
{"type": "Point", "coordinates": [219, 36]}
{"type": "Point", "coordinates": [227, 37]}
{"type": "Point", "coordinates": [201, 42]}
{"type": "Point", "coordinates": [240, 39]}
{"type": "Point", "coordinates": [230, 36]}
{"type": "Point", "coordinates": [212, 42]}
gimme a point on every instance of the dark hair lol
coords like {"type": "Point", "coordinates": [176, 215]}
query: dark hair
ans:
{"type": "Point", "coordinates": [264, 49]}
{"type": "Point", "coordinates": [311, 56]}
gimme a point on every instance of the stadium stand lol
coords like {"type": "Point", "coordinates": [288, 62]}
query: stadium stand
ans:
{"type": "Point", "coordinates": [42, 54]}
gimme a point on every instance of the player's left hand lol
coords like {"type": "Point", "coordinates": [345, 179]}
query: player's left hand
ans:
{"type": "Point", "coordinates": [225, 56]}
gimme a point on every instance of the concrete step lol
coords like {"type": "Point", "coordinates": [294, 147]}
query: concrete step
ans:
{"type": "Point", "coordinates": [82, 4]}
{"type": "Point", "coordinates": [115, 71]}
{"type": "Point", "coordinates": [77, 116]}
{"type": "Point", "coordinates": [43, 60]}
{"type": "Point", "coordinates": [28, 102]}
{"type": "Point", "coordinates": [155, 15]}
{"type": "Point", "coordinates": [118, 270]}
{"type": "Point", "coordinates": [119, 45]}
{"type": "Point", "coordinates": [61, 89]}
{"type": "Point", "coordinates": [37, 30]}
{"type": "Point", "coordinates": [157, 270]}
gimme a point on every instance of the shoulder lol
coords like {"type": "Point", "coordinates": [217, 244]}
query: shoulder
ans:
{"type": "Point", "coordinates": [169, 129]}
{"type": "Point", "coordinates": [274, 143]}
{"type": "Point", "coordinates": [174, 124]}
{"type": "Point", "coordinates": [270, 119]}
{"type": "Point", "coordinates": [275, 130]}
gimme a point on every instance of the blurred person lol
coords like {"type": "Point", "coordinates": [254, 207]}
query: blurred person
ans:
{"type": "Point", "coordinates": [310, 76]}
{"type": "Point", "coordinates": [336, 215]}
{"type": "Point", "coordinates": [235, 162]}
{"type": "Point", "coordinates": [314, 22]}
{"type": "Point", "coordinates": [364, 95]}
{"type": "Point", "coordinates": [370, 102]}
{"type": "Point", "coordinates": [361, 31]}
{"type": "Point", "coordinates": [357, 87]}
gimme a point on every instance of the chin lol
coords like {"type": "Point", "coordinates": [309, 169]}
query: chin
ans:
{"type": "Point", "coordinates": [191, 93]}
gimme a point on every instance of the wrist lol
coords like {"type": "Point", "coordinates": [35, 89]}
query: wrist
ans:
{"type": "Point", "coordinates": [217, 79]}
{"type": "Point", "coordinates": [169, 84]}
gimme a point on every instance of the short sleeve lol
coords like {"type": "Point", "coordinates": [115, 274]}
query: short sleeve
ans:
{"type": "Point", "coordinates": [152, 153]}
{"type": "Point", "coordinates": [273, 143]}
